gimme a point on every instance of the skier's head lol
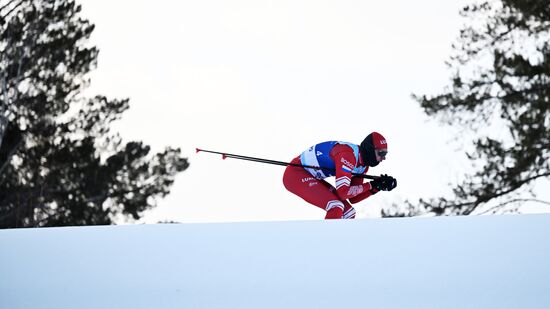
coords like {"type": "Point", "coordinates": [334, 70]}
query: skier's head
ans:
{"type": "Point", "coordinates": [373, 149]}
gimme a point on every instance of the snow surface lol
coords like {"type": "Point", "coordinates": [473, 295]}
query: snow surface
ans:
{"type": "Point", "coordinates": [454, 262]}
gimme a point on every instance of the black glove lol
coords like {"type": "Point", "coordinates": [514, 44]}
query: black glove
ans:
{"type": "Point", "coordinates": [384, 183]}
{"type": "Point", "coordinates": [377, 183]}
{"type": "Point", "coordinates": [389, 183]}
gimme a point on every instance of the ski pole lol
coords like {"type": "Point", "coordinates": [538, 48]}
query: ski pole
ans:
{"type": "Point", "coordinates": [260, 160]}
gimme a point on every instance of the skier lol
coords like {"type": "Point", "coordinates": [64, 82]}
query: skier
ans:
{"type": "Point", "coordinates": [339, 159]}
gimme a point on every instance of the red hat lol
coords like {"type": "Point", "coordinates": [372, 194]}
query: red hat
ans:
{"type": "Point", "coordinates": [371, 143]}
{"type": "Point", "coordinates": [378, 141]}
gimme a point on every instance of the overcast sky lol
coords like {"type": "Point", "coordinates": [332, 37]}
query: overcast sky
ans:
{"type": "Point", "coordinates": [271, 78]}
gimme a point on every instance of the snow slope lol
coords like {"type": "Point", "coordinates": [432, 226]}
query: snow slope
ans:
{"type": "Point", "coordinates": [453, 262]}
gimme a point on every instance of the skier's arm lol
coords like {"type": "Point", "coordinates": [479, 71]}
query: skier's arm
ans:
{"type": "Point", "coordinates": [384, 182]}
{"type": "Point", "coordinates": [356, 181]}
{"type": "Point", "coordinates": [345, 162]}
{"type": "Point", "coordinates": [358, 198]}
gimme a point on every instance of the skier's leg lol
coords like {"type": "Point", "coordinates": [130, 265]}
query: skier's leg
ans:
{"type": "Point", "coordinates": [349, 211]}
{"type": "Point", "coordinates": [314, 191]}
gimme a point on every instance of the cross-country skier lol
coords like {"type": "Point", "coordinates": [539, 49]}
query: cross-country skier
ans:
{"type": "Point", "coordinates": [340, 159]}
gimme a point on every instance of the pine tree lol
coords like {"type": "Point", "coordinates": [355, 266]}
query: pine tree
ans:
{"type": "Point", "coordinates": [60, 164]}
{"type": "Point", "coordinates": [501, 79]}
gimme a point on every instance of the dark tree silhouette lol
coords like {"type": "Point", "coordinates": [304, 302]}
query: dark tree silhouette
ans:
{"type": "Point", "coordinates": [59, 162]}
{"type": "Point", "coordinates": [501, 66]}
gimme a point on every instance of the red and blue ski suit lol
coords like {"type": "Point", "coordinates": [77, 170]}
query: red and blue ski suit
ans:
{"type": "Point", "coordinates": [309, 184]}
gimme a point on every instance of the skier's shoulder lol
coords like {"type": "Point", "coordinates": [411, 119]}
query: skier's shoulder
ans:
{"type": "Point", "coordinates": [337, 144]}
{"type": "Point", "coordinates": [343, 149]}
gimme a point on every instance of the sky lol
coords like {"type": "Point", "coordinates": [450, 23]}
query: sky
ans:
{"type": "Point", "coordinates": [270, 79]}
{"type": "Point", "coordinates": [429, 263]}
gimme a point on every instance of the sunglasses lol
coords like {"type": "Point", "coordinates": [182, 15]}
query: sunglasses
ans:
{"type": "Point", "coordinates": [381, 153]}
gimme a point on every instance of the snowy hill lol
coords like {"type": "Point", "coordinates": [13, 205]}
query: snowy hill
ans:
{"type": "Point", "coordinates": [457, 262]}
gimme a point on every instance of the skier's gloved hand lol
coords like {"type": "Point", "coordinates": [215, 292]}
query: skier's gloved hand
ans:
{"type": "Point", "coordinates": [377, 183]}
{"type": "Point", "coordinates": [389, 183]}
{"type": "Point", "coordinates": [384, 183]}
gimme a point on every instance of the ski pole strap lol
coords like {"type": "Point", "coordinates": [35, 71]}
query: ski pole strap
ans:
{"type": "Point", "coordinates": [260, 160]}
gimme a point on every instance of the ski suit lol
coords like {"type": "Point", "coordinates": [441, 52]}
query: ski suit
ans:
{"type": "Point", "coordinates": [340, 159]}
